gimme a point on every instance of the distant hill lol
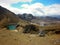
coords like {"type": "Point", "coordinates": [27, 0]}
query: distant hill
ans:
{"type": "Point", "coordinates": [30, 17]}
{"type": "Point", "coordinates": [38, 19]}
{"type": "Point", "coordinates": [52, 18]}
{"type": "Point", "coordinates": [27, 17]}
{"type": "Point", "coordinates": [57, 16]}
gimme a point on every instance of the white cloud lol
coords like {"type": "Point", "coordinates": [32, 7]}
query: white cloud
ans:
{"type": "Point", "coordinates": [13, 1]}
{"type": "Point", "coordinates": [7, 3]}
{"type": "Point", "coordinates": [15, 10]}
{"type": "Point", "coordinates": [40, 9]}
{"type": "Point", "coordinates": [53, 9]}
{"type": "Point", "coordinates": [37, 9]}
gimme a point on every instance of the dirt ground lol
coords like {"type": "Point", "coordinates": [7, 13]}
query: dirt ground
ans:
{"type": "Point", "coordinates": [17, 38]}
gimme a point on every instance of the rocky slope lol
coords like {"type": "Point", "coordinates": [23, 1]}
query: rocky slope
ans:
{"type": "Point", "coordinates": [7, 17]}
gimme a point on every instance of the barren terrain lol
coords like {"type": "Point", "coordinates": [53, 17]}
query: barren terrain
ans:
{"type": "Point", "coordinates": [17, 38]}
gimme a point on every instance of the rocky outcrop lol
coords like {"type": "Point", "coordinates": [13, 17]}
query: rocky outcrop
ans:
{"type": "Point", "coordinates": [25, 16]}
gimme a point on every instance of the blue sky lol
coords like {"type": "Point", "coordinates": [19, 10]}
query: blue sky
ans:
{"type": "Point", "coordinates": [45, 2]}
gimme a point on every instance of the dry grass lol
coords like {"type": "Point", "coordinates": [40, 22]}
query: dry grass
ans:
{"type": "Point", "coordinates": [51, 27]}
{"type": "Point", "coordinates": [17, 38]}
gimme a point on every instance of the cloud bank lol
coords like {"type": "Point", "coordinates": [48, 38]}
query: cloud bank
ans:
{"type": "Point", "coordinates": [37, 9]}
{"type": "Point", "coordinates": [40, 9]}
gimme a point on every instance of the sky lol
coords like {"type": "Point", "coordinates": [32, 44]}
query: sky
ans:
{"type": "Point", "coordinates": [35, 7]}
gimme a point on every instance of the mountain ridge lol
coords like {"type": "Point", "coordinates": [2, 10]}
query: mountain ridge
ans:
{"type": "Point", "coordinates": [7, 17]}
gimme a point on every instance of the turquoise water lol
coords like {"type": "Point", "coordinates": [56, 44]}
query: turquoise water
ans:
{"type": "Point", "coordinates": [11, 27]}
